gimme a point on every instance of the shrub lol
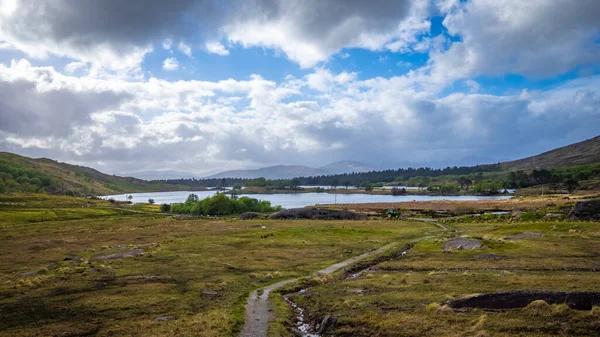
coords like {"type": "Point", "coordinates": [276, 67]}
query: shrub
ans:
{"type": "Point", "coordinates": [164, 207]}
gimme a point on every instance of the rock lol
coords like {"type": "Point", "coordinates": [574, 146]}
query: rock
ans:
{"type": "Point", "coordinates": [565, 209]}
{"type": "Point", "coordinates": [586, 210]}
{"type": "Point", "coordinates": [566, 198]}
{"type": "Point", "coordinates": [527, 235]}
{"type": "Point", "coordinates": [550, 204]}
{"type": "Point", "coordinates": [553, 215]}
{"type": "Point", "coordinates": [249, 216]}
{"type": "Point", "coordinates": [131, 253]}
{"type": "Point", "coordinates": [210, 292]}
{"type": "Point", "coordinates": [29, 273]}
{"type": "Point", "coordinates": [164, 318]}
{"type": "Point", "coordinates": [72, 258]}
{"type": "Point", "coordinates": [488, 256]}
{"type": "Point", "coordinates": [579, 300]}
{"type": "Point", "coordinates": [460, 243]}
{"type": "Point", "coordinates": [318, 214]}
{"type": "Point", "coordinates": [327, 322]}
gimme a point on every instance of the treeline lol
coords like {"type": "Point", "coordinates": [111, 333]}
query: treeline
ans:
{"type": "Point", "coordinates": [220, 204]}
{"type": "Point", "coordinates": [345, 179]}
{"type": "Point", "coordinates": [18, 178]}
{"type": "Point", "coordinates": [193, 182]}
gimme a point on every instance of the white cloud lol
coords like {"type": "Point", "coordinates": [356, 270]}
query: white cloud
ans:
{"type": "Point", "coordinates": [75, 66]}
{"type": "Point", "coordinates": [535, 38]}
{"type": "Point", "coordinates": [216, 48]}
{"type": "Point", "coordinates": [167, 44]}
{"type": "Point", "coordinates": [309, 32]}
{"type": "Point", "coordinates": [315, 119]}
{"type": "Point", "coordinates": [170, 64]}
{"type": "Point", "coordinates": [185, 48]}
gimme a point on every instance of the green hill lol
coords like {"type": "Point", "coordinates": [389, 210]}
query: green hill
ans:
{"type": "Point", "coordinates": [23, 174]}
{"type": "Point", "coordinates": [586, 152]}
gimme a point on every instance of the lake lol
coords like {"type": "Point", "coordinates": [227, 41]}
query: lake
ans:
{"type": "Point", "coordinates": [295, 200]}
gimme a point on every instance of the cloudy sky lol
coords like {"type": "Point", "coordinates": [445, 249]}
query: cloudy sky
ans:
{"type": "Point", "coordinates": [210, 85]}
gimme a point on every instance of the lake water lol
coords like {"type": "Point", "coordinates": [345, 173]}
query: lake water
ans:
{"type": "Point", "coordinates": [294, 200]}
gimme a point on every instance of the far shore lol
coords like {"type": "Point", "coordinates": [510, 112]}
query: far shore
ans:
{"type": "Point", "coordinates": [375, 191]}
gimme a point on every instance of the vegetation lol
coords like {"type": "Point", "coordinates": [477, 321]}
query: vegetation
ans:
{"type": "Point", "coordinates": [199, 271]}
{"type": "Point", "coordinates": [220, 204]}
{"type": "Point", "coordinates": [22, 174]}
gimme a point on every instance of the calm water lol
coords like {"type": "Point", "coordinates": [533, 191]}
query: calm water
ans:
{"type": "Point", "coordinates": [294, 200]}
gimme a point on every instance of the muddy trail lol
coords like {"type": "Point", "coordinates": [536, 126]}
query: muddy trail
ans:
{"type": "Point", "coordinates": [258, 307]}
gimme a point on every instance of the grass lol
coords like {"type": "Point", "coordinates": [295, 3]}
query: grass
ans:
{"type": "Point", "coordinates": [404, 297]}
{"type": "Point", "coordinates": [199, 271]}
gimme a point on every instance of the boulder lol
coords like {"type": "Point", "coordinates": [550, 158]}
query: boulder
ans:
{"type": "Point", "coordinates": [586, 210]}
{"type": "Point", "coordinates": [327, 322]}
{"type": "Point", "coordinates": [318, 214]}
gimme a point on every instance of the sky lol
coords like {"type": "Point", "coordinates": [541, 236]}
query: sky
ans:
{"type": "Point", "coordinates": [213, 85]}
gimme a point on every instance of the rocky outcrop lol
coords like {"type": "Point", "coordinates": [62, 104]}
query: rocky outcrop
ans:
{"type": "Point", "coordinates": [586, 210]}
{"type": "Point", "coordinates": [579, 300]}
{"type": "Point", "coordinates": [318, 214]}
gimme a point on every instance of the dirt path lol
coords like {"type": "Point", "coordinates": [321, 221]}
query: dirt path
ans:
{"type": "Point", "coordinates": [258, 312]}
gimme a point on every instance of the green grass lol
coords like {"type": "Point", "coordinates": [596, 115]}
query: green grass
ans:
{"type": "Point", "coordinates": [192, 260]}
{"type": "Point", "coordinates": [402, 297]}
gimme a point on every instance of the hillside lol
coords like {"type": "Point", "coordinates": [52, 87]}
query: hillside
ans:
{"type": "Point", "coordinates": [23, 174]}
{"type": "Point", "coordinates": [292, 171]}
{"type": "Point", "coordinates": [585, 152]}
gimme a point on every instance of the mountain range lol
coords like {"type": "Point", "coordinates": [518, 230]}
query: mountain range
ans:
{"type": "Point", "coordinates": [292, 171]}
{"type": "Point", "coordinates": [23, 174]}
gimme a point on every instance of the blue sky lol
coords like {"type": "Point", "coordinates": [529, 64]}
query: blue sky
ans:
{"type": "Point", "coordinates": [207, 85]}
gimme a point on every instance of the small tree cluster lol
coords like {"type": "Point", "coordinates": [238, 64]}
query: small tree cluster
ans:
{"type": "Point", "coordinates": [220, 204]}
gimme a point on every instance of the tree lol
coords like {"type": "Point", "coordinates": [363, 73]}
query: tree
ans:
{"type": "Point", "coordinates": [223, 183]}
{"type": "Point", "coordinates": [129, 198]}
{"type": "Point", "coordinates": [235, 191]}
{"type": "Point", "coordinates": [294, 183]}
{"type": "Point", "coordinates": [347, 183]}
{"type": "Point", "coordinates": [2, 186]}
{"type": "Point", "coordinates": [165, 208]}
{"type": "Point", "coordinates": [468, 183]}
{"type": "Point", "coordinates": [571, 184]}
{"type": "Point", "coordinates": [334, 183]}
{"type": "Point", "coordinates": [369, 187]}
{"type": "Point", "coordinates": [151, 201]}
{"type": "Point", "coordinates": [555, 182]}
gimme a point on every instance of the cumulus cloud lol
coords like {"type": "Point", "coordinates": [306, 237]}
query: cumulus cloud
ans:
{"type": "Point", "coordinates": [315, 119]}
{"type": "Point", "coordinates": [533, 38]}
{"type": "Point", "coordinates": [309, 32]}
{"type": "Point", "coordinates": [170, 64]}
{"type": "Point", "coordinates": [216, 48]}
{"type": "Point", "coordinates": [115, 34]}
{"type": "Point", "coordinates": [185, 48]}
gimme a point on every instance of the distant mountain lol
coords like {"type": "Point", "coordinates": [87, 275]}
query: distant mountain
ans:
{"type": "Point", "coordinates": [23, 174]}
{"type": "Point", "coordinates": [161, 175]}
{"type": "Point", "coordinates": [585, 152]}
{"type": "Point", "coordinates": [293, 171]}
{"type": "Point", "coordinates": [346, 167]}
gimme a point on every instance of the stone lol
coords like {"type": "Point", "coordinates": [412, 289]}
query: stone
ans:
{"type": "Point", "coordinates": [586, 210]}
{"type": "Point", "coordinates": [164, 318]}
{"type": "Point", "coordinates": [326, 323]}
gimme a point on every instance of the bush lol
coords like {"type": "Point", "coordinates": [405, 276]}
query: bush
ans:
{"type": "Point", "coordinates": [151, 201]}
{"type": "Point", "coordinates": [220, 204]}
{"type": "Point", "coordinates": [164, 207]}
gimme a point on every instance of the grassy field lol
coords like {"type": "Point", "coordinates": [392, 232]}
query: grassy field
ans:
{"type": "Point", "coordinates": [57, 277]}
{"type": "Point", "coordinates": [198, 271]}
{"type": "Point", "coordinates": [404, 296]}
